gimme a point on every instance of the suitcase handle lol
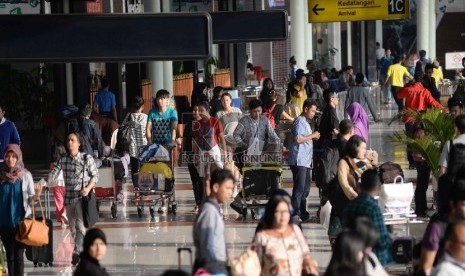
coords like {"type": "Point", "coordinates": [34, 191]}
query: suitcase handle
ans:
{"type": "Point", "coordinates": [180, 250]}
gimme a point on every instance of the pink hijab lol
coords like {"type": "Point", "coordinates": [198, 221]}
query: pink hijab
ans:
{"type": "Point", "coordinates": [13, 174]}
{"type": "Point", "coordinates": [359, 118]}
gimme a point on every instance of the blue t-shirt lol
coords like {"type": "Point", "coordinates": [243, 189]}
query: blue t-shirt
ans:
{"type": "Point", "coordinates": [8, 135]}
{"type": "Point", "coordinates": [105, 100]}
{"type": "Point", "coordinates": [161, 125]}
{"type": "Point", "coordinates": [11, 200]}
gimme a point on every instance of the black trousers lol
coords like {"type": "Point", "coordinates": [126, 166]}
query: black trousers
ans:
{"type": "Point", "coordinates": [197, 184]}
{"type": "Point", "coordinates": [135, 164]}
{"type": "Point", "coordinates": [14, 251]}
{"type": "Point", "coordinates": [423, 172]}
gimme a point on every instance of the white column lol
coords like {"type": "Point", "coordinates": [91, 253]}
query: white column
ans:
{"type": "Point", "coordinates": [334, 41]}
{"type": "Point", "coordinates": [68, 67]}
{"type": "Point", "coordinates": [167, 65]}
{"type": "Point", "coordinates": [154, 68]}
{"type": "Point", "coordinates": [308, 37]}
{"type": "Point", "coordinates": [349, 43]}
{"type": "Point", "coordinates": [432, 30]}
{"type": "Point", "coordinates": [379, 32]}
{"type": "Point", "coordinates": [423, 26]}
{"type": "Point", "coordinates": [298, 31]}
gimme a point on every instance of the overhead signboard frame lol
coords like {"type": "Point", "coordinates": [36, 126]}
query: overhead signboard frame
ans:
{"type": "Point", "coordinates": [320, 11]}
{"type": "Point", "coordinates": [106, 37]}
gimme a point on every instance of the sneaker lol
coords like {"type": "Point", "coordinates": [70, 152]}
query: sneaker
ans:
{"type": "Point", "coordinates": [75, 259]}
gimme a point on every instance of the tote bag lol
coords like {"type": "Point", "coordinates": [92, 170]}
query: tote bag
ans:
{"type": "Point", "coordinates": [32, 231]}
{"type": "Point", "coordinates": [395, 198]}
{"type": "Point", "coordinates": [89, 204]}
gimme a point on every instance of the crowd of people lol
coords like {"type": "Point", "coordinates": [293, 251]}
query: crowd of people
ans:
{"type": "Point", "coordinates": [213, 144]}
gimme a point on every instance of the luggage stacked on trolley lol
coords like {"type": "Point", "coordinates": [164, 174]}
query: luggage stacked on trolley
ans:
{"type": "Point", "coordinates": [111, 176]}
{"type": "Point", "coordinates": [258, 184]}
{"type": "Point", "coordinates": [155, 180]}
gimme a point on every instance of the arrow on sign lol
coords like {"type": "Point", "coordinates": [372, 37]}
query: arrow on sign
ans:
{"type": "Point", "coordinates": [316, 9]}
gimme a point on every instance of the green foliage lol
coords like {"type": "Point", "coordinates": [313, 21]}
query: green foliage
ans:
{"type": "Point", "coordinates": [26, 95]}
{"type": "Point", "coordinates": [439, 128]}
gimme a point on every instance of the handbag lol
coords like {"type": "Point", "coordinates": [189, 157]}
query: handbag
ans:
{"type": "Point", "coordinates": [396, 198]}
{"type": "Point", "coordinates": [32, 231]}
{"type": "Point", "coordinates": [89, 205]}
{"type": "Point", "coordinates": [247, 264]}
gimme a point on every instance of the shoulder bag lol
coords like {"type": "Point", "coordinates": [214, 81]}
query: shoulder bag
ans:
{"type": "Point", "coordinates": [32, 231]}
{"type": "Point", "coordinates": [89, 203]}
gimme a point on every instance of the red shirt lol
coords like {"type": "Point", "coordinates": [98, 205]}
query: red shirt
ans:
{"type": "Point", "coordinates": [418, 98]}
{"type": "Point", "coordinates": [205, 134]}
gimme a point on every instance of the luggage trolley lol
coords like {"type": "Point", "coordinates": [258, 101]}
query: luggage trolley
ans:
{"type": "Point", "coordinates": [111, 176]}
{"type": "Point", "coordinates": [259, 181]}
{"type": "Point", "coordinates": [155, 180]}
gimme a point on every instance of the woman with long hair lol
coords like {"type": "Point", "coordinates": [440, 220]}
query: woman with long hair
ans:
{"type": "Point", "coordinates": [281, 245]}
{"type": "Point", "coordinates": [81, 175]}
{"type": "Point", "coordinates": [16, 191]}
{"type": "Point", "coordinates": [349, 169]}
{"type": "Point", "coordinates": [348, 256]}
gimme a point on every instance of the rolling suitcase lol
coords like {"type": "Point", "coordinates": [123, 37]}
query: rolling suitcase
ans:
{"type": "Point", "coordinates": [180, 250]}
{"type": "Point", "coordinates": [43, 255]}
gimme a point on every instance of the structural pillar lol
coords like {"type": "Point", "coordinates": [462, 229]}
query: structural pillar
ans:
{"type": "Point", "coordinates": [308, 37]}
{"type": "Point", "coordinates": [167, 65]}
{"type": "Point", "coordinates": [154, 68]}
{"type": "Point", "coordinates": [349, 43]}
{"type": "Point", "coordinates": [68, 66]}
{"type": "Point", "coordinates": [298, 32]}
{"type": "Point", "coordinates": [423, 26]}
{"type": "Point", "coordinates": [334, 41]}
{"type": "Point", "coordinates": [432, 30]}
{"type": "Point", "coordinates": [379, 32]}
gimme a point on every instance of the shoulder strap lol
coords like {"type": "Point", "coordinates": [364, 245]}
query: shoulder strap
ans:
{"type": "Point", "coordinates": [84, 169]}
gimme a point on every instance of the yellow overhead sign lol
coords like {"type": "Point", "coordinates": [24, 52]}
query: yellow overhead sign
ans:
{"type": "Point", "coordinates": [357, 10]}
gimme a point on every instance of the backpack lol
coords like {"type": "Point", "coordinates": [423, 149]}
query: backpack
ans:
{"type": "Point", "coordinates": [325, 167]}
{"type": "Point", "coordinates": [455, 163]}
{"type": "Point", "coordinates": [124, 135]}
{"type": "Point", "coordinates": [388, 171]}
{"type": "Point", "coordinates": [269, 114]}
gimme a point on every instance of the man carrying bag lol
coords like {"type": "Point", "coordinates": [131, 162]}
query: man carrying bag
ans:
{"type": "Point", "coordinates": [81, 175]}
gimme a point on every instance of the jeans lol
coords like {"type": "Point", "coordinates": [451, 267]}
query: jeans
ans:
{"type": "Point", "coordinates": [59, 195]}
{"type": "Point", "coordinates": [197, 183]}
{"type": "Point", "coordinates": [399, 102]}
{"type": "Point", "coordinates": [302, 178]}
{"type": "Point", "coordinates": [14, 251]}
{"type": "Point", "coordinates": [76, 225]}
{"type": "Point", "coordinates": [423, 172]}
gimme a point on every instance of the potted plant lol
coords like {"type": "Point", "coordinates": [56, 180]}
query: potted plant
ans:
{"type": "Point", "coordinates": [439, 128]}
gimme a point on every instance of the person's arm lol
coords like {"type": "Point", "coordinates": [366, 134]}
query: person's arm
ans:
{"type": "Point", "coordinates": [174, 125]}
{"type": "Point", "coordinates": [431, 240]}
{"type": "Point", "coordinates": [239, 133]}
{"type": "Point", "coordinates": [207, 222]}
{"type": "Point", "coordinates": [14, 139]}
{"type": "Point", "coordinates": [444, 158]}
{"type": "Point", "coordinates": [346, 103]}
{"type": "Point", "coordinates": [221, 140]}
{"type": "Point", "coordinates": [298, 128]}
{"type": "Point", "coordinates": [371, 105]}
{"type": "Point", "coordinates": [285, 116]}
{"type": "Point", "coordinates": [56, 170]}
{"type": "Point", "coordinates": [115, 116]}
{"type": "Point", "coordinates": [148, 129]}
{"type": "Point", "coordinates": [342, 177]}
{"type": "Point", "coordinates": [93, 173]}
{"type": "Point", "coordinates": [432, 102]}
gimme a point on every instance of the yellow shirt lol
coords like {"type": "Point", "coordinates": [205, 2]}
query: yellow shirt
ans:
{"type": "Point", "coordinates": [437, 75]}
{"type": "Point", "coordinates": [396, 73]}
{"type": "Point", "coordinates": [299, 101]}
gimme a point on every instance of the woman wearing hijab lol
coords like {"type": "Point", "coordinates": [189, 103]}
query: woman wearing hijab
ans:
{"type": "Point", "coordinates": [359, 117]}
{"type": "Point", "coordinates": [16, 191]}
{"type": "Point", "coordinates": [95, 248]}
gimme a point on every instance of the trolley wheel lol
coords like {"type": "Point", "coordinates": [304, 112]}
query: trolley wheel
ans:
{"type": "Point", "coordinates": [50, 264]}
{"type": "Point", "coordinates": [40, 264]}
{"type": "Point", "coordinates": [140, 211]}
{"type": "Point", "coordinates": [152, 212]}
{"type": "Point", "coordinates": [114, 210]}
{"type": "Point", "coordinates": [35, 264]}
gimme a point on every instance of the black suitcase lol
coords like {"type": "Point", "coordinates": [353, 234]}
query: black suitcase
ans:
{"type": "Point", "coordinates": [403, 249]}
{"type": "Point", "coordinates": [261, 181]}
{"type": "Point", "coordinates": [43, 255]}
